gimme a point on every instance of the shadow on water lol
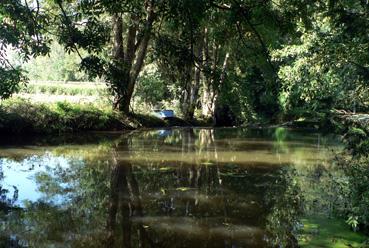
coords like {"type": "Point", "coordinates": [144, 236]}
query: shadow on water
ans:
{"type": "Point", "coordinates": [167, 188]}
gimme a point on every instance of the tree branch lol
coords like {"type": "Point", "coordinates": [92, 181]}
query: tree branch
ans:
{"type": "Point", "coordinates": [258, 36]}
{"type": "Point", "coordinates": [223, 6]}
{"type": "Point", "coordinates": [69, 23]}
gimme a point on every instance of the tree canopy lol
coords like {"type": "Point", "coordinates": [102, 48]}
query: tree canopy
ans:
{"type": "Point", "coordinates": [226, 60]}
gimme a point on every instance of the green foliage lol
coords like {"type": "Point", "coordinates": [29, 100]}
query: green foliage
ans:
{"type": "Point", "coordinates": [21, 29]}
{"type": "Point", "coordinates": [151, 89]}
{"type": "Point", "coordinates": [236, 94]}
{"type": "Point", "coordinates": [58, 65]}
{"type": "Point", "coordinates": [354, 190]}
{"type": "Point", "coordinates": [113, 53]}
{"type": "Point", "coordinates": [286, 58]}
{"type": "Point", "coordinates": [10, 81]}
{"type": "Point", "coordinates": [327, 66]}
{"type": "Point", "coordinates": [357, 141]}
{"type": "Point", "coordinates": [19, 116]}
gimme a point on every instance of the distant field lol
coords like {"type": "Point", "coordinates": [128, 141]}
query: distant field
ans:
{"type": "Point", "coordinates": [95, 93]}
{"type": "Point", "coordinates": [64, 88]}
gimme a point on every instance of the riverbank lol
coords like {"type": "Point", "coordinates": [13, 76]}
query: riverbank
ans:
{"type": "Point", "coordinates": [24, 117]}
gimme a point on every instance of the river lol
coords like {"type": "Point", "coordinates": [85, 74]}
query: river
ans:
{"type": "Point", "coordinates": [188, 187]}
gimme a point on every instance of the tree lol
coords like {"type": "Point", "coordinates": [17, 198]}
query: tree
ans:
{"type": "Point", "coordinates": [22, 29]}
{"type": "Point", "coordinates": [326, 66]}
{"type": "Point", "coordinates": [58, 65]}
{"type": "Point", "coordinates": [213, 47]}
{"type": "Point", "coordinates": [116, 37]}
{"type": "Point", "coordinates": [178, 50]}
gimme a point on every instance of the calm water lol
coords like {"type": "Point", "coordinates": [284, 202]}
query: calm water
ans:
{"type": "Point", "coordinates": [164, 188]}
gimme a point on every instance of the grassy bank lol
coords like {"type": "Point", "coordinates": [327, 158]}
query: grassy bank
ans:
{"type": "Point", "coordinates": [19, 116]}
{"type": "Point", "coordinates": [65, 107]}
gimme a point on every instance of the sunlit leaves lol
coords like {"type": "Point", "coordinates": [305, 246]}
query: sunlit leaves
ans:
{"type": "Point", "coordinates": [328, 65]}
{"type": "Point", "coordinates": [20, 30]}
{"type": "Point", "coordinates": [10, 81]}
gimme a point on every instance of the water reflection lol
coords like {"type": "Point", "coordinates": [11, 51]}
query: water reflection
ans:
{"type": "Point", "coordinates": [168, 188]}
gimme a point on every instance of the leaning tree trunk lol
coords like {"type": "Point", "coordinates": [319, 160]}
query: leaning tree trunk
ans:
{"type": "Point", "coordinates": [207, 100]}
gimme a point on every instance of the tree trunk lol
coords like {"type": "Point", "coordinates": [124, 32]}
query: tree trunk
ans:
{"type": "Point", "coordinates": [130, 63]}
{"type": "Point", "coordinates": [209, 87]}
{"type": "Point", "coordinates": [207, 103]}
{"type": "Point", "coordinates": [123, 102]}
{"type": "Point", "coordinates": [187, 79]}
{"type": "Point", "coordinates": [196, 83]}
{"type": "Point", "coordinates": [216, 92]}
{"type": "Point", "coordinates": [194, 94]}
{"type": "Point", "coordinates": [212, 85]}
{"type": "Point", "coordinates": [118, 53]}
{"type": "Point", "coordinates": [192, 86]}
{"type": "Point", "coordinates": [205, 94]}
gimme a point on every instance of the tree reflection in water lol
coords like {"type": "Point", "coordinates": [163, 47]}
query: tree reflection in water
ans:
{"type": "Point", "coordinates": [155, 190]}
{"type": "Point", "coordinates": [191, 203]}
{"type": "Point", "coordinates": [6, 206]}
{"type": "Point", "coordinates": [124, 203]}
